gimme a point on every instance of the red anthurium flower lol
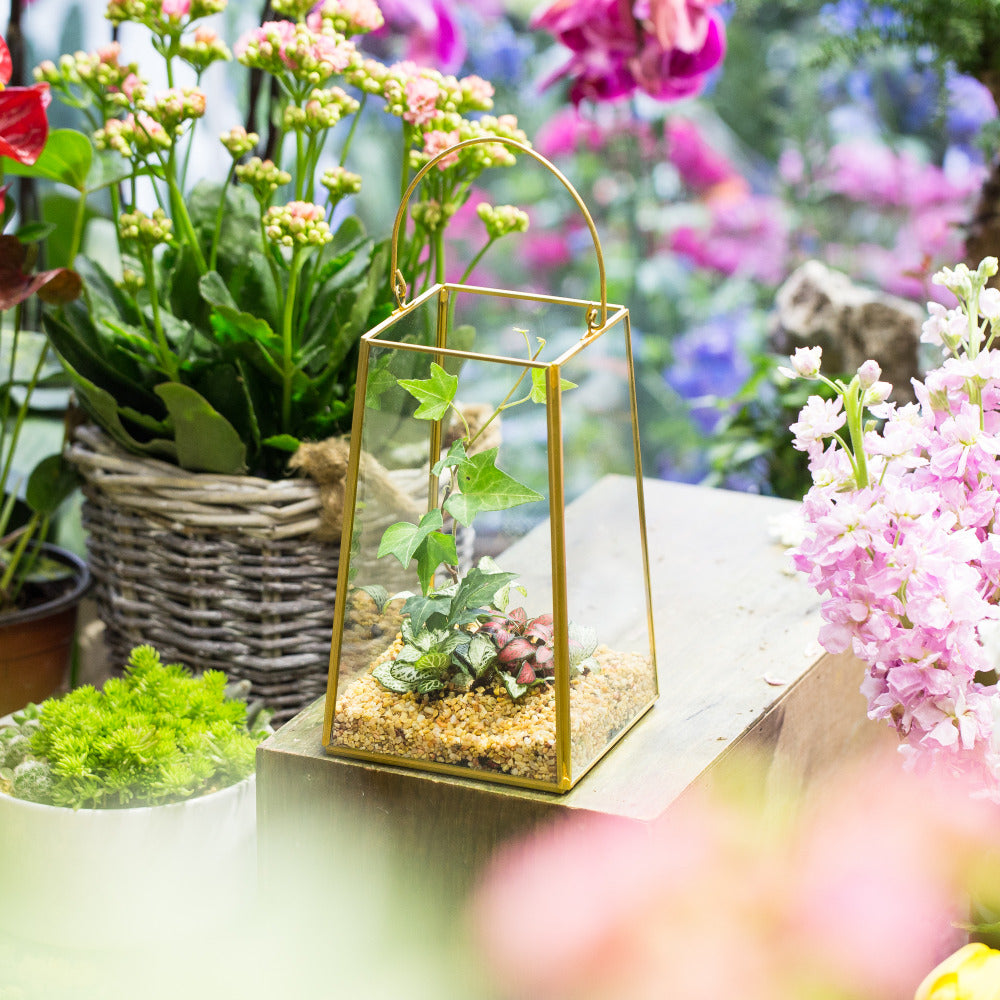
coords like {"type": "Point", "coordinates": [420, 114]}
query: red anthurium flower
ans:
{"type": "Point", "coordinates": [56, 286]}
{"type": "Point", "coordinates": [24, 126]}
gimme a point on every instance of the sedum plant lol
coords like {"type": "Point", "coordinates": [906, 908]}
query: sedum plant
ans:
{"type": "Point", "coordinates": [457, 634]}
{"type": "Point", "coordinates": [223, 329]}
{"type": "Point", "coordinates": [155, 735]}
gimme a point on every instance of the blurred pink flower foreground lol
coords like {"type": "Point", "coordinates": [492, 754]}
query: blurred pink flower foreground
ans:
{"type": "Point", "coordinates": [849, 894]}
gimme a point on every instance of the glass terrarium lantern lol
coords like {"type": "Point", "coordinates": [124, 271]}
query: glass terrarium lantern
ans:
{"type": "Point", "coordinates": [493, 614]}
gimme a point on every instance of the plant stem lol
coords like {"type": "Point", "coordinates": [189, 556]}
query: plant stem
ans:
{"type": "Point", "coordinates": [163, 352]}
{"type": "Point", "coordinates": [287, 339]}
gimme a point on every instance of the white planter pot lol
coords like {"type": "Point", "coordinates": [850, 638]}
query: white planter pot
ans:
{"type": "Point", "coordinates": [99, 877]}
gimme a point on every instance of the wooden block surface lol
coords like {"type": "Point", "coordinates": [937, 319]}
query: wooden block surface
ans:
{"type": "Point", "coordinates": [738, 667]}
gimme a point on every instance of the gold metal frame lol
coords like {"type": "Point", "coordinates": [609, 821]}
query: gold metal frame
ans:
{"type": "Point", "coordinates": [598, 322]}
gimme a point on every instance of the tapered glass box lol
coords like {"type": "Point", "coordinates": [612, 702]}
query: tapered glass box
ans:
{"type": "Point", "coordinates": [493, 614]}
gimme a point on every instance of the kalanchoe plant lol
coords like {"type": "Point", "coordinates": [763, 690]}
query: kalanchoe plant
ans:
{"type": "Point", "coordinates": [902, 536]}
{"type": "Point", "coordinates": [458, 634]}
{"type": "Point", "coordinates": [225, 330]}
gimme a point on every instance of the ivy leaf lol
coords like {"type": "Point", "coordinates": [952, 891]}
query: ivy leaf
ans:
{"type": "Point", "coordinates": [435, 549]}
{"type": "Point", "coordinates": [435, 394]}
{"type": "Point", "coordinates": [403, 538]}
{"type": "Point", "coordinates": [456, 456]}
{"type": "Point", "coordinates": [538, 385]}
{"type": "Point", "coordinates": [485, 487]}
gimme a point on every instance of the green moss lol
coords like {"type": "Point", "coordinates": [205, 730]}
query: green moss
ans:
{"type": "Point", "coordinates": [155, 735]}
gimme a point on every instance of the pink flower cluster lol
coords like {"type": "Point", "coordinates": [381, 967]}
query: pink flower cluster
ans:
{"type": "Point", "coordinates": [902, 534]}
{"type": "Point", "coordinates": [662, 47]}
{"type": "Point", "coordinates": [850, 894]}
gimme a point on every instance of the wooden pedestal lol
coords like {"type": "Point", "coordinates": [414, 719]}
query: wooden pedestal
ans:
{"type": "Point", "coordinates": [740, 676]}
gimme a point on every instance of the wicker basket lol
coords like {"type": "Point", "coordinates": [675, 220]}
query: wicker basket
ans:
{"type": "Point", "coordinates": [215, 571]}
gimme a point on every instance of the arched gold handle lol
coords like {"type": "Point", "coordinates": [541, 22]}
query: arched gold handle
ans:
{"type": "Point", "coordinates": [596, 317]}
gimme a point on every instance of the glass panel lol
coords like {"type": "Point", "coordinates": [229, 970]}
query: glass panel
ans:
{"type": "Point", "coordinates": [448, 653]}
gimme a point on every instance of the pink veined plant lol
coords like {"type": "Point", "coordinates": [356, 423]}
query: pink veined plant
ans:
{"type": "Point", "coordinates": [902, 537]}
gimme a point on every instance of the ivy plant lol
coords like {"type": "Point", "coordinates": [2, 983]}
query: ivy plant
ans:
{"type": "Point", "coordinates": [456, 632]}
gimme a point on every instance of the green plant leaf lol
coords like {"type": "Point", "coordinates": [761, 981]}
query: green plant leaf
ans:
{"type": "Point", "coordinates": [283, 442]}
{"type": "Point", "coordinates": [205, 440]}
{"type": "Point", "coordinates": [378, 594]}
{"type": "Point", "coordinates": [435, 549]}
{"type": "Point", "coordinates": [481, 654]}
{"type": "Point", "coordinates": [51, 481]}
{"type": "Point", "coordinates": [456, 456]}
{"type": "Point", "coordinates": [538, 385]}
{"type": "Point", "coordinates": [380, 381]}
{"type": "Point", "coordinates": [421, 609]}
{"type": "Point", "coordinates": [485, 487]}
{"type": "Point", "coordinates": [66, 158]}
{"type": "Point", "coordinates": [104, 408]}
{"type": "Point", "coordinates": [477, 590]}
{"type": "Point", "coordinates": [435, 394]}
{"type": "Point", "coordinates": [402, 538]}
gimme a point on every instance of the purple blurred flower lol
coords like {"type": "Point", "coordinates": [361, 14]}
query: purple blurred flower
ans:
{"type": "Point", "coordinates": [710, 363]}
{"type": "Point", "coordinates": [970, 107]}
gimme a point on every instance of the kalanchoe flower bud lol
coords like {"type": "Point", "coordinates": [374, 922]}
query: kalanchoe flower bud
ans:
{"type": "Point", "coordinates": [239, 141]}
{"type": "Point", "coordinates": [133, 136]}
{"type": "Point", "coordinates": [431, 214]}
{"type": "Point", "coordinates": [281, 48]}
{"type": "Point", "coordinates": [263, 176]}
{"type": "Point", "coordinates": [340, 182]}
{"type": "Point", "coordinates": [132, 281]}
{"type": "Point", "coordinates": [143, 229]}
{"type": "Point", "coordinates": [477, 93]}
{"type": "Point", "coordinates": [294, 10]}
{"type": "Point", "coordinates": [322, 110]}
{"type": "Point", "coordinates": [298, 223]}
{"type": "Point", "coordinates": [502, 219]}
{"type": "Point", "coordinates": [174, 107]}
{"type": "Point", "coordinates": [348, 17]}
{"type": "Point", "coordinates": [203, 49]}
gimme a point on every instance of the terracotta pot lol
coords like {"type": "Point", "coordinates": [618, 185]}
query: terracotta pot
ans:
{"type": "Point", "coordinates": [35, 642]}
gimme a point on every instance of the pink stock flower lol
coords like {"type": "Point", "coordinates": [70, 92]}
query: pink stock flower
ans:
{"type": "Point", "coordinates": [905, 548]}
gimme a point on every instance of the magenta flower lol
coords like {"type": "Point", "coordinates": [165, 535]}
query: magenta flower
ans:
{"type": "Point", "coordinates": [700, 167]}
{"type": "Point", "coordinates": [433, 34]}
{"type": "Point", "coordinates": [663, 47]}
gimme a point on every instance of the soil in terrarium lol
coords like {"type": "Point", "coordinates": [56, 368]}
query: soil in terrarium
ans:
{"type": "Point", "coordinates": [486, 729]}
